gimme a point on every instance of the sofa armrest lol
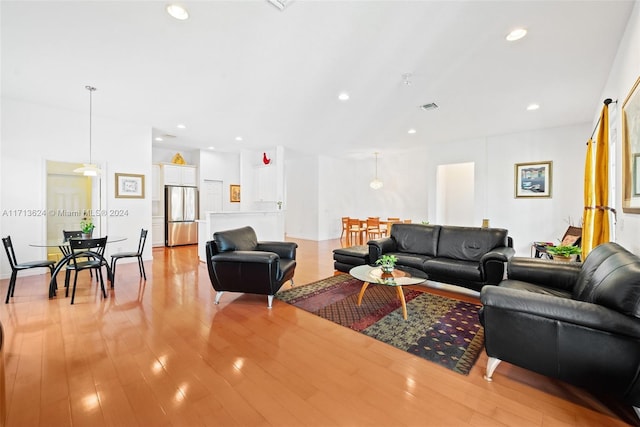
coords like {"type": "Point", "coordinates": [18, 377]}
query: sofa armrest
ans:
{"type": "Point", "coordinates": [492, 264]}
{"type": "Point", "coordinates": [379, 247]}
{"type": "Point", "coordinates": [563, 310]}
{"type": "Point", "coordinates": [286, 250]}
{"type": "Point", "coordinates": [502, 254]}
{"type": "Point", "coordinates": [551, 274]}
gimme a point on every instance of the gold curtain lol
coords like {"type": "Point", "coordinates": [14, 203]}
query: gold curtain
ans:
{"type": "Point", "coordinates": [595, 228]}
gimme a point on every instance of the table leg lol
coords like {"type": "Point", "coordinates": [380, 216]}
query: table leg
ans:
{"type": "Point", "coordinates": [402, 301]}
{"type": "Point", "coordinates": [364, 288]}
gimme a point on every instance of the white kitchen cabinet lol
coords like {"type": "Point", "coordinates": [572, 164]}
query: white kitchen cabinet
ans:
{"type": "Point", "coordinates": [157, 231]}
{"type": "Point", "coordinates": [179, 175]}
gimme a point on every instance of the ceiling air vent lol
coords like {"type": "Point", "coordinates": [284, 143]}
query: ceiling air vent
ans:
{"type": "Point", "coordinates": [430, 106]}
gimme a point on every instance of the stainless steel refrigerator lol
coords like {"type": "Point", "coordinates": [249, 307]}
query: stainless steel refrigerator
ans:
{"type": "Point", "coordinates": [180, 209]}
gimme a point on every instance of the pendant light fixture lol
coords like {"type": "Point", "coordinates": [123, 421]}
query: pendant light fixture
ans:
{"type": "Point", "coordinates": [376, 184]}
{"type": "Point", "coordinates": [89, 169]}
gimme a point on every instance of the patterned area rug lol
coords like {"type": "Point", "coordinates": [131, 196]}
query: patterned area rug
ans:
{"type": "Point", "coordinates": [440, 329]}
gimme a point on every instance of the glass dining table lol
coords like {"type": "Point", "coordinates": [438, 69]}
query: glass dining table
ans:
{"type": "Point", "coordinates": [64, 247]}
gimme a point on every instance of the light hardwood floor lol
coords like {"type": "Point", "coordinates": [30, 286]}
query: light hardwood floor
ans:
{"type": "Point", "coordinates": [161, 353]}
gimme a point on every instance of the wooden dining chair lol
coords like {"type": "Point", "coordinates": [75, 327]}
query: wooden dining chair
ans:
{"type": "Point", "coordinates": [373, 228]}
{"type": "Point", "coordinates": [345, 226]}
{"type": "Point", "coordinates": [390, 221]}
{"type": "Point", "coordinates": [19, 266]}
{"type": "Point", "coordinates": [355, 229]}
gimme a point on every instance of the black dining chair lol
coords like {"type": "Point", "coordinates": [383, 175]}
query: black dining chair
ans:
{"type": "Point", "coordinates": [87, 254]}
{"type": "Point", "coordinates": [16, 266]}
{"type": "Point", "coordinates": [117, 256]}
{"type": "Point", "coordinates": [66, 250]}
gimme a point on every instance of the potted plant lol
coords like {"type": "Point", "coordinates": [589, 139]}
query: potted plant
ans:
{"type": "Point", "coordinates": [86, 226]}
{"type": "Point", "coordinates": [387, 263]}
{"type": "Point", "coordinates": [564, 253]}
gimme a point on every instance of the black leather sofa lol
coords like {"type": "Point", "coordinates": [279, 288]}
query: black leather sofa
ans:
{"type": "Point", "coordinates": [238, 262]}
{"type": "Point", "coordinates": [578, 322]}
{"type": "Point", "coordinates": [466, 256]}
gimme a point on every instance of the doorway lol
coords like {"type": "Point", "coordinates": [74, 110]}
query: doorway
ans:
{"type": "Point", "coordinates": [68, 201]}
{"type": "Point", "coordinates": [455, 194]}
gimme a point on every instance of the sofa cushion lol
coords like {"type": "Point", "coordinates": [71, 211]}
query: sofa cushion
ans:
{"type": "Point", "coordinates": [416, 238]}
{"type": "Point", "coordinates": [410, 260]}
{"type": "Point", "coordinates": [469, 243]}
{"type": "Point", "coordinates": [614, 282]}
{"type": "Point", "coordinates": [353, 255]}
{"type": "Point", "coordinates": [530, 287]}
{"type": "Point", "coordinates": [446, 267]}
{"type": "Point", "coordinates": [240, 239]}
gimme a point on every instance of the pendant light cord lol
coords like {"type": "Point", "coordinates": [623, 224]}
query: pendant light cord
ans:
{"type": "Point", "coordinates": [91, 89]}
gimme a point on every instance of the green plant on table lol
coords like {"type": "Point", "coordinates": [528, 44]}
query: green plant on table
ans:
{"type": "Point", "coordinates": [387, 262]}
{"type": "Point", "coordinates": [564, 251]}
{"type": "Point", "coordinates": [86, 225]}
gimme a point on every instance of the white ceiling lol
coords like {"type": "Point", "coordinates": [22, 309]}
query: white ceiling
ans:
{"type": "Point", "coordinates": [244, 68]}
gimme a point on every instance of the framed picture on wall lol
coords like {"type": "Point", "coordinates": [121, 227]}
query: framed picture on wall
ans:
{"type": "Point", "coordinates": [129, 186]}
{"type": "Point", "coordinates": [533, 179]}
{"type": "Point", "coordinates": [234, 193]}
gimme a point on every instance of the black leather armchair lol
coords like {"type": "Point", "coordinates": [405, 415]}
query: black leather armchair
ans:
{"type": "Point", "coordinates": [576, 322]}
{"type": "Point", "coordinates": [237, 262]}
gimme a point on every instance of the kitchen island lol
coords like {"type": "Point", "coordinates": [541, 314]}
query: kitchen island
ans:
{"type": "Point", "coordinates": [269, 225]}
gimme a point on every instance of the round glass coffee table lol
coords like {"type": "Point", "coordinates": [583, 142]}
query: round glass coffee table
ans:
{"type": "Point", "coordinates": [400, 277]}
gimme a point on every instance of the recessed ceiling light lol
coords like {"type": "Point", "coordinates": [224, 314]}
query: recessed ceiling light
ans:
{"type": "Point", "coordinates": [533, 107]}
{"type": "Point", "coordinates": [181, 126]}
{"type": "Point", "coordinates": [412, 131]}
{"type": "Point", "coordinates": [212, 148]}
{"type": "Point", "coordinates": [157, 138]}
{"type": "Point", "coordinates": [344, 96]}
{"type": "Point", "coordinates": [238, 138]}
{"type": "Point", "coordinates": [516, 34]}
{"type": "Point", "coordinates": [178, 12]}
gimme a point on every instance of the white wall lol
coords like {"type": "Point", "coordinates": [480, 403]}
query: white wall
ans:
{"type": "Point", "coordinates": [33, 134]}
{"type": "Point", "coordinates": [456, 194]}
{"type": "Point", "coordinates": [303, 189]}
{"type": "Point", "coordinates": [322, 190]}
{"type": "Point", "coordinates": [223, 167]}
{"type": "Point", "coordinates": [624, 72]}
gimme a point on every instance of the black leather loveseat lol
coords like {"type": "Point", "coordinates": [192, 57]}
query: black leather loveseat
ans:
{"type": "Point", "coordinates": [578, 322]}
{"type": "Point", "coordinates": [466, 256]}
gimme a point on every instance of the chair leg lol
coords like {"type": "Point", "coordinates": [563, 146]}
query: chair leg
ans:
{"type": "Point", "coordinates": [141, 265]}
{"type": "Point", "coordinates": [99, 273]}
{"type": "Point", "coordinates": [218, 295]}
{"type": "Point", "coordinates": [492, 364]}
{"type": "Point", "coordinates": [67, 275]}
{"type": "Point", "coordinates": [113, 271]}
{"type": "Point", "coordinates": [12, 284]}
{"type": "Point", "coordinates": [73, 294]}
{"type": "Point", "coordinates": [269, 301]}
